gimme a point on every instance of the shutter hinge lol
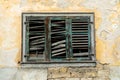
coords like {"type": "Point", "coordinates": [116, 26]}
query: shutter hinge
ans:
{"type": "Point", "coordinates": [25, 22]}
{"type": "Point", "coordinates": [26, 55]}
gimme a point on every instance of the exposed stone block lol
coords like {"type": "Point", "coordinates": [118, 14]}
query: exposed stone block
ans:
{"type": "Point", "coordinates": [82, 72]}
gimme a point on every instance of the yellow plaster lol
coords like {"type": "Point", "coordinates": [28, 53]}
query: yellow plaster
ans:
{"type": "Point", "coordinates": [100, 49]}
{"type": "Point", "coordinates": [116, 51]}
{"type": "Point", "coordinates": [16, 25]}
{"type": "Point", "coordinates": [48, 6]}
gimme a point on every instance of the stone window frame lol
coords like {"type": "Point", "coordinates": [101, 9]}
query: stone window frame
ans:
{"type": "Point", "coordinates": [91, 14]}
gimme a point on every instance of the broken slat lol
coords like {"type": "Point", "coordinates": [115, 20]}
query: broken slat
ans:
{"type": "Point", "coordinates": [58, 42]}
{"type": "Point", "coordinates": [34, 37]}
{"type": "Point", "coordinates": [57, 51]}
{"type": "Point", "coordinates": [58, 54]}
{"type": "Point", "coordinates": [39, 42]}
{"type": "Point", "coordinates": [59, 46]}
{"type": "Point", "coordinates": [38, 39]}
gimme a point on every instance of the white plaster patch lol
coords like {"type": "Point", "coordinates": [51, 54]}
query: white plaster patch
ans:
{"type": "Point", "coordinates": [114, 26]}
{"type": "Point", "coordinates": [7, 73]}
{"type": "Point", "coordinates": [114, 35]}
{"type": "Point", "coordinates": [115, 73]}
{"type": "Point", "coordinates": [32, 74]}
{"type": "Point", "coordinates": [7, 57]}
{"type": "Point", "coordinates": [16, 9]}
{"type": "Point", "coordinates": [23, 3]}
{"type": "Point", "coordinates": [104, 34]}
{"type": "Point", "coordinates": [62, 3]}
{"type": "Point", "coordinates": [101, 5]}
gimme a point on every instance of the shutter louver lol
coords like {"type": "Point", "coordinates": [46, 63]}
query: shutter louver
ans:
{"type": "Point", "coordinates": [36, 38]}
{"type": "Point", "coordinates": [80, 37]}
{"type": "Point", "coordinates": [58, 39]}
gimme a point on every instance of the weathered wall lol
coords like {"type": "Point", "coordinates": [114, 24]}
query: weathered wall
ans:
{"type": "Point", "coordinates": [107, 22]}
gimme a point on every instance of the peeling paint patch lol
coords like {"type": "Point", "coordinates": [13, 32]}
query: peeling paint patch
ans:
{"type": "Point", "coordinates": [62, 3]}
{"type": "Point", "coordinates": [104, 34]}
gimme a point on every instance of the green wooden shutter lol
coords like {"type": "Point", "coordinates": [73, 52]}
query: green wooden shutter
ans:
{"type": "Point", "coordinates": [70, 38]}
{"type": "Point", "coordinates": [81, 37]}
{"type": "Point", "coordinates": [35, 38]}
{"type": "Point", "coordinates": [58, 38]}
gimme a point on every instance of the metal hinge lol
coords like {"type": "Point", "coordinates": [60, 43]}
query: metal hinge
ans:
{"type": "Point", "coordinates": [25, 22]}
{"type": "Point", "coordinates": [26, 55]}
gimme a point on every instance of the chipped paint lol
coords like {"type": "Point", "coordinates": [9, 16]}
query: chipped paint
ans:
{"type": "Point", "coordinates": [107, 40]}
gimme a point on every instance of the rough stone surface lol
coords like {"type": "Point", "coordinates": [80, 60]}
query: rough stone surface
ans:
{"type": "Point", "coordinates": [101, 78]}
{"type": "Point", "coordinates": [82, 72]}
{"type": "Point", "coordinates": [86, 79]}
{"type": "Point", "coordinates": [72, 79]}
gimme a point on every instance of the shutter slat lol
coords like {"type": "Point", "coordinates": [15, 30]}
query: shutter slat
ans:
{"type": "Point", "coordinates": [81, 54]}
{"type": "Point", "coordinates": [58, 53]}
{"type": "Point", "coordinates": [36, 27]}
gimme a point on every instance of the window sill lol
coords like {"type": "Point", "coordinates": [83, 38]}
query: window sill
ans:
{"type": "Point", "coordinates": [58, 64]}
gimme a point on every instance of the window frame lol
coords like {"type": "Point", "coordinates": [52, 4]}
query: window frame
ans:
{"type": "Point", "coordinates": [92, 15]}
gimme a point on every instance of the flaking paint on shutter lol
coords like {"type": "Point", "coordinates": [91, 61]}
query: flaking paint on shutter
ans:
{"type": "Point", "coordinates": [58, 38]}
{"type": "Point", "coordinates": [35, 38]}
{"type": "Point", "coordinates": [81, 37]}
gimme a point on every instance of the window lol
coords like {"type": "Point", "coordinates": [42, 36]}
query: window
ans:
{"type": "Point", "coordinates": [58, 37]}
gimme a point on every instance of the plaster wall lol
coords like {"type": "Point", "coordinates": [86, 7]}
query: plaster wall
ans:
{"type": "Point", "coordinates": [107, 30]}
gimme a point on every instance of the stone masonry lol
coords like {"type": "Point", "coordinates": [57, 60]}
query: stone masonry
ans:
{"type": "Point", "coordinates": [100, 72]}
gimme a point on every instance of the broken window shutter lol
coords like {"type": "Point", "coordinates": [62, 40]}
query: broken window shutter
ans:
{"type": "Point", "coordinates": [81, 37]}
{"type": "Point", "coordinates": [35, 38]}
{"type": "Point", "coordinates": [58, 38]}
